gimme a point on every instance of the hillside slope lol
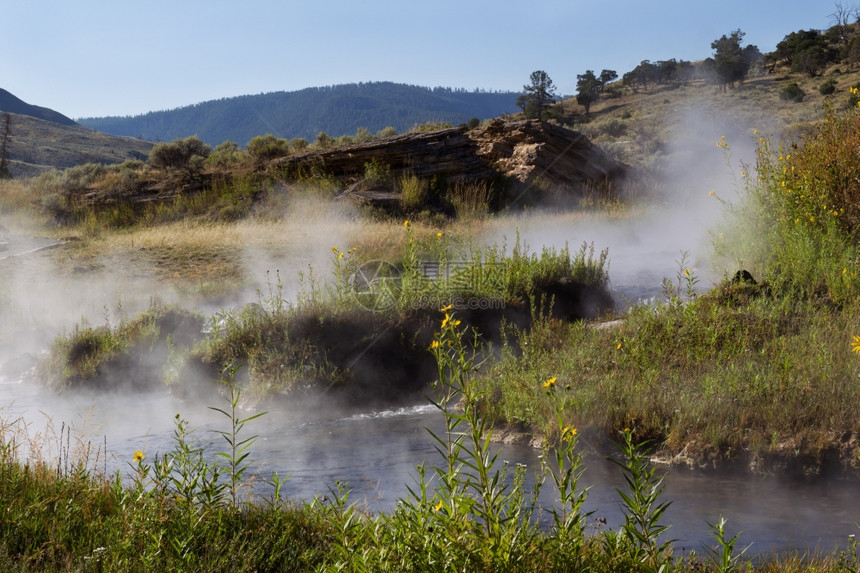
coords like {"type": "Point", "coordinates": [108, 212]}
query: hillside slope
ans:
{"type": "Point", "coordinates": [643, 128]}
{"type": "Point", "coordinates": [37, 145]}
{"type": "Point", "coordinates": [336, 110]}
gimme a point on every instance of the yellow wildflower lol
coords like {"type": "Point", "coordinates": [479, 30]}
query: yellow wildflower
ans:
{"type": "Point", "coordinates": [447, 320]}
{"type": "Point", "coordinates": [711, 193]}
{"type": "Point", "coordinates": [340, 255]}
{"type": "Point", "coordinates": [335, 250]}
{"type": "Point", "coordinates": [855, 345]}
{"type": "Point", "coordinates": [551, 382]}
{"type": "Point", "coordinates": [406, 223]}
{"type": "Point", "coordinates": [138, 456]}
{"type": "Point", "coordinates": [446, 308]}
{"type": "Point", "coordinates": [686, 272]}
{"type": "Point", "coordinates": [434, 345]}
{"type": "Point", "coordinates": [439, 506]}
{"type": "Point", "coordinates": [439, 235]}
{"type": "Point", "coordinates": [568, 433]}
{"type": "Point", "coordinates": [618, 347]}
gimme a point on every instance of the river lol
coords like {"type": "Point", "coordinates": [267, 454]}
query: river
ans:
{"type": "Point", "coordinates": [376, 454]}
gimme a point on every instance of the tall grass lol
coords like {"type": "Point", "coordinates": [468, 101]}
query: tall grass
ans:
{"type": "Point", "coordinates": [472, 200]}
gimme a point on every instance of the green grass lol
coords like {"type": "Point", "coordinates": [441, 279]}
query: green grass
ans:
{"type": "Point", "coordinates": [766, 381]}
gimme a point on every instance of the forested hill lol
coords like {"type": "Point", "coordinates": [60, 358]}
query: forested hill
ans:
{"type": "Point", "coordinates": [335, 110]}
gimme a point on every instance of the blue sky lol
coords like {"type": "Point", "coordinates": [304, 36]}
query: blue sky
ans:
{"type": "Point", "coordinates": [108, 57]}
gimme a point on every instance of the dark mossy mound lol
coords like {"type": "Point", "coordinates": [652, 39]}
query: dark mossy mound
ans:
{"type": "Point", "coordinates": [358, 357]}
{"type": "Point", "coordinates": [132, 356]}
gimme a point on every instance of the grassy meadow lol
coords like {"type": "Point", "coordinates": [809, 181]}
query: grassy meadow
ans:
{"type": "Point", "coordinates": [762, 372]}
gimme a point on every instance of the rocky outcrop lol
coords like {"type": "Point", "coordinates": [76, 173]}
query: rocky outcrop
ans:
{"type": "Point", "coordinates": [526, 151]}
{"type": "Point", "coordinates": [532, 159]}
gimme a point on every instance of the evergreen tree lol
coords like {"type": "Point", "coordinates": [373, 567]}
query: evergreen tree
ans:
{"type": "Point", "coordinates": [731, 63]}
{"type": "Point", "coordinates": [539, 94]}
{"type": "Point", "coordinates": [588, 88]}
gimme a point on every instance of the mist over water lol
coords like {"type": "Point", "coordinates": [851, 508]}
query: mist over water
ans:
{"type": "Point", "coordinates": [680, 214]}
{"type": "Point", "coordinates": [376, 451]}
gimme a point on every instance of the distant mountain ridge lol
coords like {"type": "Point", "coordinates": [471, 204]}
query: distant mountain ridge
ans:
{"type": "Point", "coordinates": [336, 110]}
{"type": "Point", "coordinates": [12, 104]}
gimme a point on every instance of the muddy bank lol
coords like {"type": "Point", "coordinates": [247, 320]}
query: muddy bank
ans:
{"type": "Point", "coordinates": [787, 460]}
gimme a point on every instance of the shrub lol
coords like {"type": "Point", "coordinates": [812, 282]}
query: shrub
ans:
{"type": "Point", "coordinates": [614, 128]}
{"type": "Point", "coordinates": [298, 144]}
{"type": "Point", "coordinates": [806, 201]}
{"type": "Point", "coordinates": [363, 135]}
{"type": "Point", "coordinates": [323, 140]}
{"type": "Point", "coordinates": [266, 147]}
{"type": "Point", "coordinates": [230, 213]}
{"type": "Point", "coordinates": [120, 180]}
{"type": "Point", "coordinates": [185, 155]}
{"type": "Point", "coordinates": [792, 92]}
{"type": "Point", "coordinates": [828, 87]}
{"type": "Point", "coordinates": [225, 155]}
{"type": "Point", "coordinates": [132, 164]}
{"type": "Point", "coordinates": [432, 126]}
{"type": "Point", "coordinates": [377, 172]}
{"type": "Point", "coordinates": [54, 205]}
{"type": "Point", "coordinates": [386, 132]}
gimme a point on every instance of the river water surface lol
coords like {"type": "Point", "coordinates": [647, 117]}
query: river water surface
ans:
{"type": "Point", "coordinates": [376, 454]}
